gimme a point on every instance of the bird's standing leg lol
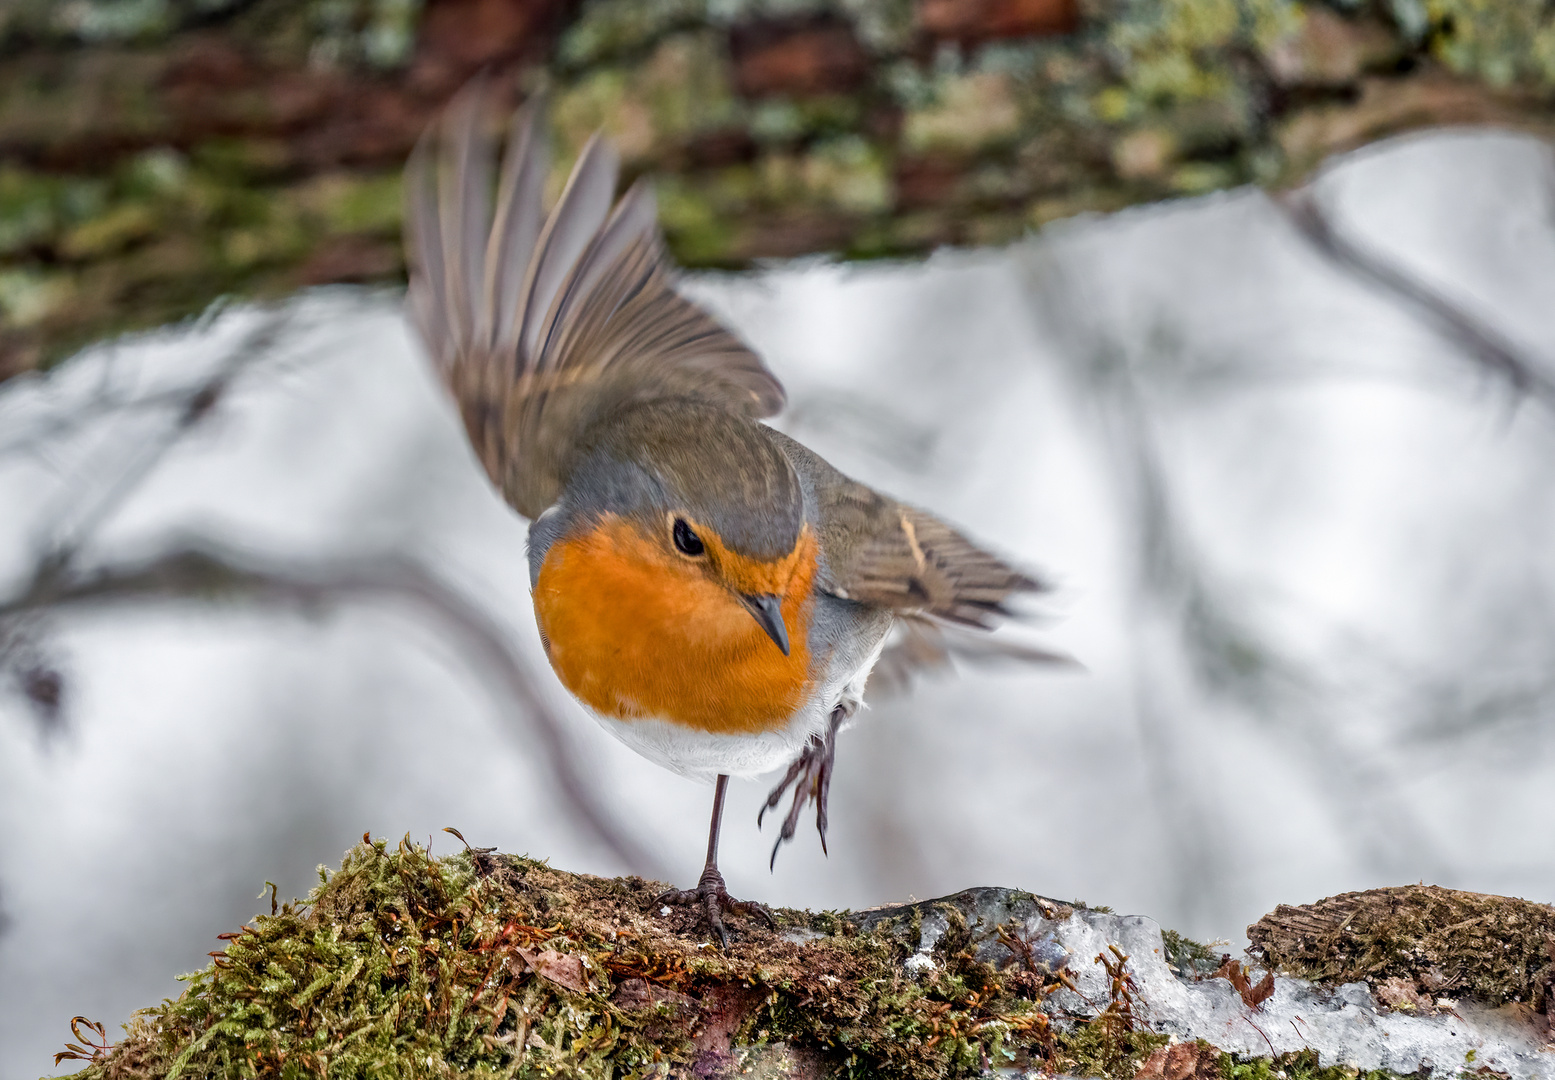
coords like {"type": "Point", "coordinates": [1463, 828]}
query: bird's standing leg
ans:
{"type": "Point", "coordinates": [812, 770]}
{"type": "Point", "coordinates": [710, 891]}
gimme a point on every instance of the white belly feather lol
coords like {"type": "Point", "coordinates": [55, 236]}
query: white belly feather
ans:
{"type": "Point", "coordinates": [702, 755]}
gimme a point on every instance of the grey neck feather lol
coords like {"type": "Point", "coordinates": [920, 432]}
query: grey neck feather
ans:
{"type": "Point", "coordinates": [680, 457]}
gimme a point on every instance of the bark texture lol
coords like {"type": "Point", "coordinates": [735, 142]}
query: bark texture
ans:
{"type": "Point", "coordinates": [156, 154]}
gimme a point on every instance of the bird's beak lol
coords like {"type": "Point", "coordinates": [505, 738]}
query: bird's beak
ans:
{"type": "Point", "coordinates": [768, 611]}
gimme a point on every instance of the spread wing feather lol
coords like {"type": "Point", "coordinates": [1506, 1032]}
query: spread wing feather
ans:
{"type": "Point", "coordinates": [539, 324]}
{"type": "Point", "coordinates": [882, 552]}
{"type": "Point", "coordinates": [944, 589]}
{"type": "Point", "coordinates": [516, 226]}
{"type": "Point", "coordinates": [912, 562]}
{"type": "Point", "coordinates": [920, 647]}
{"type": "Point", "coordinates": [568, 234]}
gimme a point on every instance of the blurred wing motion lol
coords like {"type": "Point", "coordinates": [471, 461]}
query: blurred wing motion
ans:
{"type": "Point", "coordinates": [539, 324]}
{"type": "Point", "coordinates": [884, 553]}
{"type": "Point", "coordinates": [945, 590]}
{"type": "Point", "coordinates": [913, 563]}
{"type": "Point", "coordinates": [920, 647]}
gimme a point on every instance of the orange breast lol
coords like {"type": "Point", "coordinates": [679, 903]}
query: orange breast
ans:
{"type": "Point", "coordinates": [635, 631]}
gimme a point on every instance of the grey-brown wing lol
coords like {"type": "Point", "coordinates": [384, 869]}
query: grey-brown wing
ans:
{"type": "Point", "coordinates": [883, 552]}
{"type": "Point", "coordinates": [899, 557]}
{"type": "Point", "coordinates": [539, 323]}
{"type": "Point", "coordinates": [920, 647]}
{"type": "Point", "coordinates": [945, 590]}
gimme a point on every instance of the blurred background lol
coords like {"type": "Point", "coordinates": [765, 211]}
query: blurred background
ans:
{"type": "Point", "coordinates": [1234, 318]}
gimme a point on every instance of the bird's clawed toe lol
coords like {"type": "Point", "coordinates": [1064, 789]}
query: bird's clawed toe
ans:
{"type": "Point", "coordinates": [810, 777]}
{"type": "Point", "coordinates": [713, 898]}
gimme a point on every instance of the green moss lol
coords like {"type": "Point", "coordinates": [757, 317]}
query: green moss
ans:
{"type": "Point", "coordinates": [1188, 957]}
{"type": "Point", "coordinates": [697, 230]}
{"type": "Point", "coordinates": [1099, 1050]}
{"type": "Point", "coordinates": [126, 20]}
{"type": "Point", "coordinates": [345, 203]}
{"type": "Point", "coordinates": [109, 232]}
{"type": "Point", "coordinates": [371, 33]}
{"type": "Point", "coordinates": [1302, 1065]}
{"type": "Point", "coordinates": [844, 174]}
{"type": "Point", "coordinates": [965, 114]}
{"type": "Point", "coordinates": [242, 161]}
{"type": "Point", "coordinates": [964, 143]}
{"type": "Point", "coordinates": [1202, 177]}
{"type": "Point", "coordinates": [154, 234]}
{"type": "Point", "coordinates": [164, 233]}
{"type": "Point", "coordinates": [397, 965]}
{"type": "Point", "coordinates": [30, 297]}
{"type": "Point", "coordinates": [1176, 51]}
{"type": "Point", "coordinates": [28, 210]}
{"type": "Point", "coordinates": [781, 121]}
{"type": "Point", "coordinates": [377, 33]}
{"type": "Point", "coordinates": [404, 965]}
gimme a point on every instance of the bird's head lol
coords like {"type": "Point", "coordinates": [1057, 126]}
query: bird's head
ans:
{"type": "Point", "coordinates": [677, 555]}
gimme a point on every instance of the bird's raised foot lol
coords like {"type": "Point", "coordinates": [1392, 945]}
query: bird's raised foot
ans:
{"type": "Point", "coordinates": [714, 899]}
{"type": "Point", "coordinates": [810, 777]}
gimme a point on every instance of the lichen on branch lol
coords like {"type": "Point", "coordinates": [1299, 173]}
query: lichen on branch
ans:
{"type": "Point", "coordinates": [158, 154]}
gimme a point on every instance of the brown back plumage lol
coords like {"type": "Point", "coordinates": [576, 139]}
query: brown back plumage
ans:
{"type": "Point", "coordinates": [540, 324]}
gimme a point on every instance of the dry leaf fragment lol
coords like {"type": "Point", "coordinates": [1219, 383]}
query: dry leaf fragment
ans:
{"type": "Point", "coordinates": [1261, 991]}
{"type": "Point", "coordinates": [1181, 1061]}
{"type": "Point", "coordinates": [563, 970]}
{"type": "Point", "coordinates": [1252, 995]}
{"type": "Point", "coordinates": [1401, 994]}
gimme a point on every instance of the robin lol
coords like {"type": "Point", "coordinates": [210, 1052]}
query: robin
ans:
{"type": "Point", "coordinates": [712, 591]}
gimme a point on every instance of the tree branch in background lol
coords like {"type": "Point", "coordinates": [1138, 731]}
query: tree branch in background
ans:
{"type": "Point", "coordinates": [1186, 618]}
{"type": "Point", "coordinates": [161, 154]}
{"type": "Point", "coordinates": [24, 649]}
{"type": "Point", "coordinates": [1482, 343]}
{"type": "Point", "coordinates": [187, 409]}
{"type": "Point", "coordinates": [205, 570]}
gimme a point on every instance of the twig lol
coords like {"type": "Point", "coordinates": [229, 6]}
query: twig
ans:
{"type": "Point", "coordinates": [201, 568]}
{"type": "Point", "coordinates": [192, 404]}
{"type": "Point", "coordinates": [1272, 1051]}
{"type": "Point", "coordinates": [1483, 343]}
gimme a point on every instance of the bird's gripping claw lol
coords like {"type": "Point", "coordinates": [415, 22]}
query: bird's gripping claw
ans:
{"type": "Point", "coordinates": [810, 777]}
{"type": "Point", "coordinates": [710, 891]}
{"type": "Point", "coordinates": [714, 899]}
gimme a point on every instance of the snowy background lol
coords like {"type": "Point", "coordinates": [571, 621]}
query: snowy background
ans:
{"type": "Point", "coordinates": [1304, 544]}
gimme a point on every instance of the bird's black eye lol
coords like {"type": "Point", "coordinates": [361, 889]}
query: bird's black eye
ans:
{"type": "Point", "coordinates": [687, 541]}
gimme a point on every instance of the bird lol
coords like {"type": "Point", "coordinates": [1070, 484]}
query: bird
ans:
{"type": "Point", "coordinates": [712, 591]}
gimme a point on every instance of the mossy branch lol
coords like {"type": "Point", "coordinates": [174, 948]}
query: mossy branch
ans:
{"type": "Point", "coordinates": [159, 154]}
{"type": "Point", "coordinates": [401, 964]}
